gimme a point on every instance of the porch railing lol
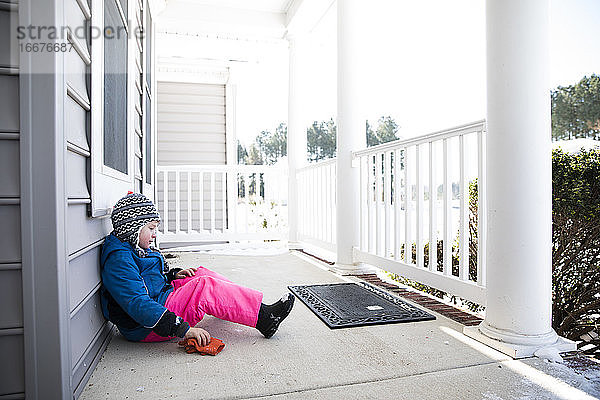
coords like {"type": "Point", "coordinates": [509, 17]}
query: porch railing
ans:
{"type": "Point", "coordinates": [421, 209]}
{"type": "Point", "coordinates": [200, 203]}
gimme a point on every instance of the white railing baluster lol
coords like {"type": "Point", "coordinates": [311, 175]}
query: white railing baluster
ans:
{"type": "Point", "coordinates": [386, 199]}
{"type": "Point", "coordinates": [320, 203]}
{"type": "Point", "coordinates": [246, 185]}
{"type": "Point", "coordinates": [323, 205]}
{"type": "Point", "coordinates": [315, 194]}
{"type": "Point", "coordinates": [177, 203]}
{"type": "Point", "coordinates": [300, 194]}
{"type": "Point", "coordinates": [334, 204]}
{"type": "Point", "coordinates": [370, 201]}
{"type": "Point", "coordinates": [419, 209]}
{"type": "Point", "coordinates": [305, 205]}
{"type": "Point", "coordinates": [463, 245]}
{"type": "Point", "coordinates": [331, 193]}
{"type": "Point", "coordinates": [397, 205]}
{"type": "Point", "coordinates": [201, 198]}
{"type": "Point", "coordinates": [189, 202]}
{"type": "Point", "coordinates": [407, 200]}
{"type": "Point", "coordinates": [223, 200]}
{"type": "Point", "coordinates": [311, 206]}
{"type": "Point", "coordinates": [447, 264]}
{"type": "Point", "coordinates": [328, 203]}
{"type": "Point", "coordinates": [212, 202]}
{"type": "Point", "coordinates": [481, 214]}
{"type": "Point", "coordinates": [432, 213]}
{"type": "Point", "coordinates": [378, 214]}
{"type": "Point", "coordinates": [362, 208]}
{"type": "Point", "coordinates": [232, 200]}
{"type": "Point", "coordinates": [166, 201]}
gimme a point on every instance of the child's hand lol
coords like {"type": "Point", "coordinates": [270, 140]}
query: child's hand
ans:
{"type": "Point", "coordinates": [185, 273]}
{"type": "Point", "coordinates": [202, 336]}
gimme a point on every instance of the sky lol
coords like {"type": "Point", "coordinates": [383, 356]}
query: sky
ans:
{"type": "Point", "coordinates": [424, 65]}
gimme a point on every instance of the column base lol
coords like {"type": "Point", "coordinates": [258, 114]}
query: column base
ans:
{"type": "Point", "coordinates": [518, 346]}
{"type": "Point", "coordinates": [351, 269]}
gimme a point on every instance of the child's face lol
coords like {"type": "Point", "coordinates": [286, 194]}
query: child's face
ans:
{"type": "Point", "coordinates": [148, 234]}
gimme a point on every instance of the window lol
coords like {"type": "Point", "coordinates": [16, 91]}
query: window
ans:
{"type": "Point", "coordinates": [115, 88]}
{"type": "Point", "coordinates": [148, 92]}
{"type": "Point", "coordinates": [112, 66]}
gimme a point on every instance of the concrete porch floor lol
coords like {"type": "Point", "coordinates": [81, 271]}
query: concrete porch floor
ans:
{"type": "Point", "coordinates": [307, 360]}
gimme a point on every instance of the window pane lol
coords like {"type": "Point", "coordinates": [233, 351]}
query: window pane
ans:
{"type": "Point", "coordinates": [148, 140]}
{"type": "Point", "coordinates": [115, 89]}
{"type": "Point", "coordinates": [148, 31]}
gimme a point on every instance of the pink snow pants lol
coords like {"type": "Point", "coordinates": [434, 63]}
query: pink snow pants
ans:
{"type": "Point", "coordinates": [210, 293]}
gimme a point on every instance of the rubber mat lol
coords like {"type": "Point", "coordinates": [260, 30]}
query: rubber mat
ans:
{"type": "Point", "coordinates": [345, 305]}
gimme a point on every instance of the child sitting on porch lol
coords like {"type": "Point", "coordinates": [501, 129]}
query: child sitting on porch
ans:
{"type": "Point", "coordinates": [150, 303]}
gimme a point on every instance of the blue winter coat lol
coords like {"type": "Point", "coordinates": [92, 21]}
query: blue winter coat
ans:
{"type": "Point", "coordinates": [134, 289]}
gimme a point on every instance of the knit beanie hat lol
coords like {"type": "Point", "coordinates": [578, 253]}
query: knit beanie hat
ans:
{"type": "Point", "coordinates": [130, 215]}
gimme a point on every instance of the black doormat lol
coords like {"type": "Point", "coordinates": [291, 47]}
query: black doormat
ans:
{"type": "Point", "coordinates": [344, 305]}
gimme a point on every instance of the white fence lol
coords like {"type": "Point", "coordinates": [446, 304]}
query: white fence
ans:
{"type": "Point", "coordinates": [423, 191]}
{"type": "Point", "coordinates": [200, 203]}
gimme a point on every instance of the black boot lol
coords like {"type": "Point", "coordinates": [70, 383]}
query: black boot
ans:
{"type": "Point", "coordinates": [270, 316]}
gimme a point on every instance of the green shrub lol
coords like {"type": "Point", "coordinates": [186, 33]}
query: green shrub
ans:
{"type": "Point", "coordinates": [576, 243]}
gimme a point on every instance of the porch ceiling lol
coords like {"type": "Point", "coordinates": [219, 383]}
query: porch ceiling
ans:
{"type": "Point", "coordinates": [305, 359]}
{"type": "Point", "coordinates": [232, 18]}
{"type": "Point", "coordinates": [256, 19]}
{"type": "Point", "coordinates": [276, 6]}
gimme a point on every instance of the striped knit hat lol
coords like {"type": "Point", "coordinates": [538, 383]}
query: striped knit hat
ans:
{"type": "Point", "coordinates": [130, 215]}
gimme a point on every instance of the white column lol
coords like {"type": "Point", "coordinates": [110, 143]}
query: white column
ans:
{"type": "Point", "coordinates": [350, 128]}
{"type": "Point", "coordinates": [296, 140]}
{"type": "Point", "coordinates": [519, 193]}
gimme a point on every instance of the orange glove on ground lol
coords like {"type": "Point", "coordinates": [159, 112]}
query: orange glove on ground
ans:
{"type": "Point", "coordinates": [213, 348]}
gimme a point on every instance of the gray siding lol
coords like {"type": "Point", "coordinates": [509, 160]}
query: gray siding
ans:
{"type": "Point", "coordinates": [191, 123]}
{"type": "Point", "coordinates": [12, 362]}
{"type": "Point", "coordinates": [88, 332]}
{"type": "Point", "coordinates": [191, 131]}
